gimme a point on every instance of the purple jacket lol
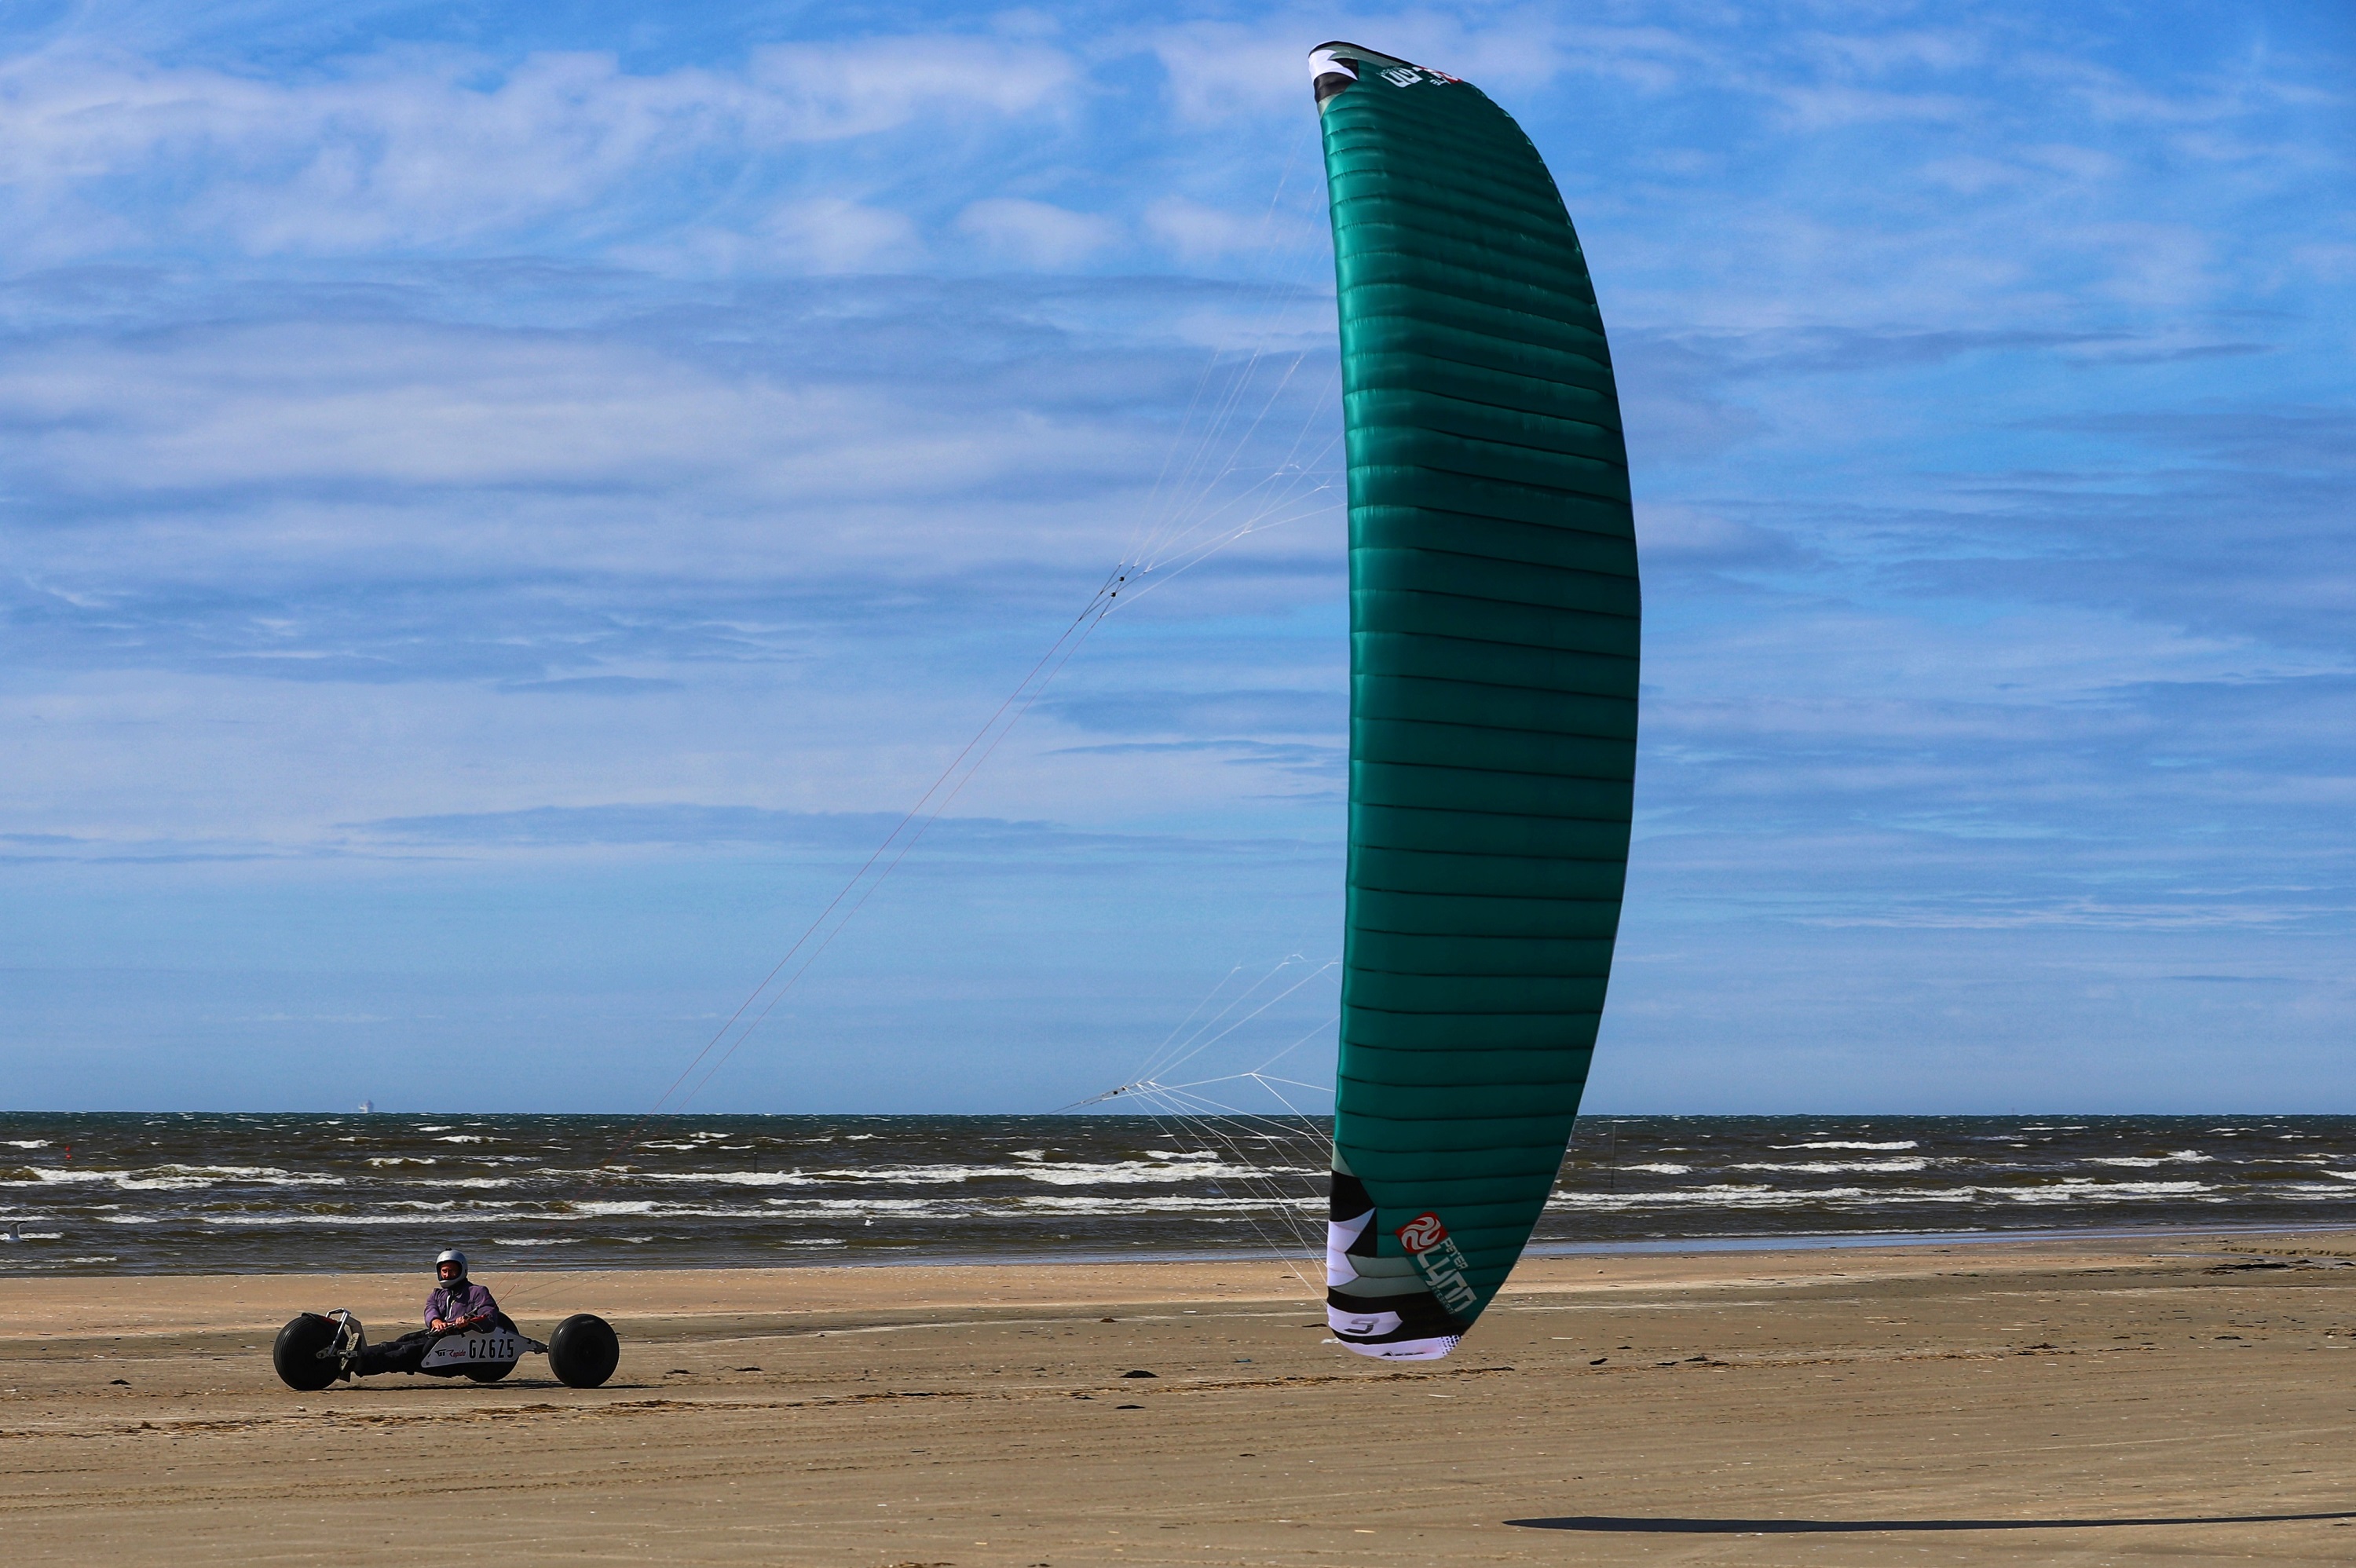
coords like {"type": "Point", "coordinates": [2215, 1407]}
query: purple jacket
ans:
{"type": "Point", "coordinates": [470, 1300]}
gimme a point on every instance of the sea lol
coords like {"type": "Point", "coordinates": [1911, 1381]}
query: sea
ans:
{"type": "Point", "coordinates": [216, 1193]}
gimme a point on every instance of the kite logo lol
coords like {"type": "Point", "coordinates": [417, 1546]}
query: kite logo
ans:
{"type": "Point", "coordinates": [1402, 76]}
{"type": "Point", "coordinates": [1422, 1234]}
{"type": "Point", "coordinates": [1439, 1262]}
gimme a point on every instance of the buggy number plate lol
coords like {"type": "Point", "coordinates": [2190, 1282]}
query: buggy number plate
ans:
{"type": "Point", "coordinates": [459, 1349]}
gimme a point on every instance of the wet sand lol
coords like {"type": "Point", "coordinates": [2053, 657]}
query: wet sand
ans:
{"type": "Point", "coordinates": [2169, 1400]}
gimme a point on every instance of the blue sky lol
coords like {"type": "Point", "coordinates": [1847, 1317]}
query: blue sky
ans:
{"type": "Point", "coordinates": [502, 511]}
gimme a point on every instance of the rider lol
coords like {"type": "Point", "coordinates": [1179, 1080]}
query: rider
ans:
{"type": "Point", "coordinates": [456, 1306]}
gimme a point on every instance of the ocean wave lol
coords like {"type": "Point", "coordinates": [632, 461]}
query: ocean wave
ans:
{"type": "Point", "coordinates": [861, 1208]}
{"type": "Point", "coordinates": [250, 1222]}
{"type": "Point", "coordinates": [1836, 1142]}
{"type": "Point", "coordinates": [2080, 1189]}
{"type": "Point", "coordinates": [1116, 1173]}
{"type": "Point", "coordinates": [2070, 1190]}
{"type": "Point", "coordinates": [1133, 1173]}
{"type": "Point", "coordinates": [1162, 1205]}
{"type": "Point", "coordinates": [1721, 1194]}
{"type": "Point", "coordinates": [182, 1178]}
{"type": "Point", "coordinates": [734, 1177]}
{"type": "Point", "coordinates": [210, 1193]}
{"type": "Point", "coordinates": [1840, 1167]}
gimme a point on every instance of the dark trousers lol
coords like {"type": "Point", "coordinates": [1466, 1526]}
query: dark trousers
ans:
{"type": "Point", "coordinates": [401, 1355]}
{"type": "Point", "coordinates": [404, 1354]}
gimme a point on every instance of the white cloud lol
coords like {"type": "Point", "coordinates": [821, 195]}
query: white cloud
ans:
{"type": "Point", "coordinates": [832, 235]}
{"type": "Point", "coordinates": [429, 147]}
{"type": "Point", "coordinates": [2332, 263]}
{"type": "Point", "coordinates": [1669, 528]}
{"type": "Point", "coordinates": [1034, 233]}
{"type": "Point", "coordinates": [1880, 53]}
{"type": "Point", "coordinates": [1220, 69]}
{"type": "Point", "coordinates": [825, 91]}
{"type": "Point", "coordinates": [371, 447]}
{"type": "Point", "coordinates": [2162, 266]}
{"type": "Point", "coordinates": [1197, 232]}
{"type": "Point", "coordinates": [1829, 106]}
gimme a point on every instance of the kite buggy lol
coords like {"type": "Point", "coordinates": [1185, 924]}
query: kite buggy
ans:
{"type": "Point", "coordinates": [466, 1335]}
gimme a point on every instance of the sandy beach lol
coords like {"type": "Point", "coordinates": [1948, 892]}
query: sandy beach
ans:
{"type": "Point", "coordinates": [2174, 1399]}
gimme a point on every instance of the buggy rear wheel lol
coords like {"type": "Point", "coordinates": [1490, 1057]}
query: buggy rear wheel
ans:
{"type": "Point", "coordinates": [584, 1351]}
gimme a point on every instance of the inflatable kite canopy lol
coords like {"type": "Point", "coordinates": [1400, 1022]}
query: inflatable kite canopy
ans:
{"type": "Point", "coordinates": [1493, 642]}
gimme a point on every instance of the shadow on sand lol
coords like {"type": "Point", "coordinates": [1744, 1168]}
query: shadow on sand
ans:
{"type": "Point", "coordinates": [1607, 1524]}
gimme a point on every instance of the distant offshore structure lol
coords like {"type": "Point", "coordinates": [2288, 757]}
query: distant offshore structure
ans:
{"type": "Point", "coordinates": [368, 1107]}
{"type": "Point", "coordinates": [1493, 642]}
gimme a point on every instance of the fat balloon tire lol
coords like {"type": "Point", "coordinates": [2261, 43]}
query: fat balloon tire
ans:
{"type": "Point", "coordinates": [296, 1354]}
{"type": "Point", "coordinates": [584, 1351]}
{"type": "Point", "coordinates": [489, 1373]}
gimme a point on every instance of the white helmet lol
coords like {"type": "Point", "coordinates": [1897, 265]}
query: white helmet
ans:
{"type": "Point", "coordinates": [456, 1280]}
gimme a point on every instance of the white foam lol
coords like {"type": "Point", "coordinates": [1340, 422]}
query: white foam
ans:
{"type": "Point", "coordinates": [2079, 1189]}
{"type": "Point", "coordinates": [1842, 1166]}
{"type": "Point", "coordinates": [1721, 1195]}
{"type": "Point", "coordinates": [1161, 1205]}
{"type": "Point", "coordinates": [1119, 1173]}
{"type": "Point", "coordinates": [1836, 1142]}
{"type": "Point", "coordinates": [734, 1177]}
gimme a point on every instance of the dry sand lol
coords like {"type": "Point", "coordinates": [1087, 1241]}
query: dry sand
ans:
{"type": "Point", "coordinates": [2087, 1402]}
